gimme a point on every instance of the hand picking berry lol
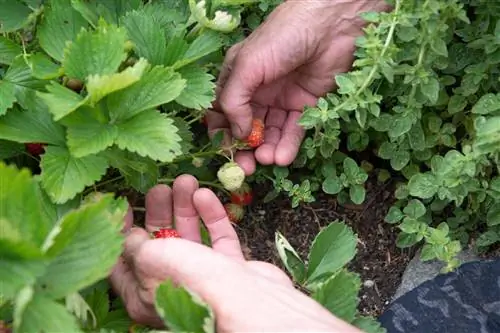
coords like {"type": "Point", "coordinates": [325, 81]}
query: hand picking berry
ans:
{"type": "Point", "coordinates": [256, 137]}
{"type": "Point", "coordinates": [234, 212]}
{"type": "Point", "coordinates": [35, 148]}
{"type": "Point", "coordinates": [166, 233]}
{"type": "Point", "coordinates": [231, 176]}
{"type": "Point", "coordinates": [242, 196]}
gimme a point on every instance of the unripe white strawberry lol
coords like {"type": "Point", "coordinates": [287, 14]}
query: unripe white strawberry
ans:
{"type": "Point", "coordinates": [231, 175]}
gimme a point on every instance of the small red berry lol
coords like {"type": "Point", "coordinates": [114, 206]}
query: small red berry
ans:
{"type": "Point", "coordinates": [166, 233]}
{"type": "Point", "coordinates": [35, 148]}
{"type": "Point", "coordinates": [234, 212]}
{"type": "Point", "coordinates": [243, 196]}
{"type": "Point", "coordinates": [256, 137]}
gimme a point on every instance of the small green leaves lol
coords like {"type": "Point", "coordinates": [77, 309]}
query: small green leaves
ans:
{"type": "Point", "coordinates": [423, 185]}
{"type": "Point", "coordinates": [415, 209]}
{"type": "Point", "coordinates": [394, 215]}
{"type": "Point", "coordinates": [487, 104]}
{"type": "Point", "coordinates": [182, 310]}
{"type": "Point", "coordinates": [95, 53]}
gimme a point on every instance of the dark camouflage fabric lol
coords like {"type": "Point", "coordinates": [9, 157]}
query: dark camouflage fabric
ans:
{"type": "Point", "coordinates": [464, 301]}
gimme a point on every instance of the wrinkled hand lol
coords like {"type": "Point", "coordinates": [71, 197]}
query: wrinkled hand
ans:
{"type": "Point", "coordinates": [284, 65]}
{"type": "Point", "coordinates": [245, 295]}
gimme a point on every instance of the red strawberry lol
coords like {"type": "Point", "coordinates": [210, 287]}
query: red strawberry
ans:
{"type": "Point", "coordinates": [35, 148]}
{"type": "Point", "coordinates": [256, 137]}
{"type": "Point", "coordinates": [166, 233]}
{"type": "Point", "coordinates": [243, 196]}
{"type": "Point", "coordinates": [234, 212]}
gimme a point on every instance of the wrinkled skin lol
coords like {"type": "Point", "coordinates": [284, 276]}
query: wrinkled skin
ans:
{"type": "Point", "coordinates": [287, 63]}
{"type": "Point", "coordinates": [246, 296]}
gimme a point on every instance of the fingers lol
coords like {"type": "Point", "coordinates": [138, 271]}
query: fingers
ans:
{"type": "Point", "coordinates": [291, 139]}
{"type": "Point", "coordinates": [246, 160]}
{"type": "Point", "coordinates": [222, 234]}
{"type": "Point", "coordinates": [185, 214]}
{"type": "Point", "coordinates": [129, 220]}
{"type": "Point", "coordinates": [135, 239]}
{"type": "Point", "coordinates": [159, 208]}
{"type": "Point", "coordinates": [274, 122]}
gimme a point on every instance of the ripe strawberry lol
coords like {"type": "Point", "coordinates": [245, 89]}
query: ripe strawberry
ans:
{"type": "Point", "coordinates": [166, 233]}
{"type": "Point", "coordinates": [234, 212]}
{"type": "Point", "coordinates": [243, 196]}
{"type": "Point", "coordinates": [256, 137]}
{"type": "Point", "coordinates": [231, 176]}
{"type": "Point", "coordinates": [35, 148]}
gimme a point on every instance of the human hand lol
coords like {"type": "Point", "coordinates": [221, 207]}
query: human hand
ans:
{"type": "Point", "coordinates": [287, 63]}
{"type": "Point", "coordinates": [246, 296]}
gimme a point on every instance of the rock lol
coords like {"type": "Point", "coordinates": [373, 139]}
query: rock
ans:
{"type": "Point", "coordinates": [368, 283]}
{"type": "Point", "coordinates": [417, 272]}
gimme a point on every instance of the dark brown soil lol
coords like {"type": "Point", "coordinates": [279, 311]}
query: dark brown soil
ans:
{"type": "Point", "coordinates": [378, 260]}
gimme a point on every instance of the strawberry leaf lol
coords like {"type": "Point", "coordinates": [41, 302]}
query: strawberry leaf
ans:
{"type": "Point", "coordinates": [36, 313]}
{"type": "Point", "coordinates": [13, 16]}
{"type": "Point", "coordinates": [60, 100]}
{"type": "Point", "coordinates": [159, 138]}
{"type": "Point", "coordinates": [110, 11]}
{"type": "Point", "coordinates": [203, 45]}
{"type": "Point", "coordinates": [147, 35]}
{"type": "Point", "coordinates": [64, 176]}
{"type": "Point", "coordinates": [332, 248]}
{"type": "Point", "coordinates": [8, 50]}
{"type": "Point", "coordinates": [100, 86]}
{"type": "Point", "coordinates": [97, 52]}
{"type": "Point", "coordinates": [42, 67]}
{"type": "Point", "coordinates": [182, 310]}
{"type": "Point", "coordinates": [290, 258]}
{"type": "Point", "coordinates": [200, 89]}
{"type": "Point", "coordinates": [84, 247]}
{"type": "Point", "coordinates": [60, 24]}
{"type": "Point", "coordinates": [339, 294]}
{"type": "Point", "coordinates": [7, 96]}
{"type": "Point", "coordinates": [32, 125]}
{"type": "Point", "coordinates": [158, 86]}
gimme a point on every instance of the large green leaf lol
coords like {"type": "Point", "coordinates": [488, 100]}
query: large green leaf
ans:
{"type": "Point", "coordinates": [61, 24]}
{"type": "Point", "coordinates": [200, 88]}
{"type": "Point", "coordinates": [64, 176]}
{"type": "Point", "coordinates": [158, 136]}
{"type": "Point", "coordinates": [35, 313]}
{"type": "Point", "coordinates": [8, 50]}
{"type": "Point", "coordinates": [17, 273]}
{"type": "Point", "coordinates": [32, 125]}
{"type": "Point", "coordinates": [42, 67]}
{"type": "Point", "coordinates": [60, 100]}
{"type": "Point", "coordinates": [13, 16]}
{"type": "Point", "coordinates": [86, 247]}
{"type": "Point", "coordinates": [7, 96]}
{"type": "Point", "coordinates": [97, 52]}
{"type": "Point", "coordinates": [111, 10]}
{"type": "Point", "coordinates": [340, 295]}
{"type": "Point", "coordinates": [183, 311]}
{"type": "Point", "coordinates": [158, 86]}
{"type": "Point", "coordinates": [147, 35]}
{"type": "Point", "coordinates": [332, 248]}
{"type": "Point", "coordinates": [203, 45]}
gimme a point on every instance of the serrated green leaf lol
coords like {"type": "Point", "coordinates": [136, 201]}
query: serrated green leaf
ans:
{"type": "Point", "coordinates": [85, 248]}
{"type": "Point", "coordinates": [110, 11]}
{"type": "Point", "coordinates": [159, 138]}
{"type": "Point", "coordinates": [290, 258]}
{"type": "Point", "coordinates": [7, 96]}
{"type": "Point", "coordinates": [185, 133]}
{"type": "Point", "coordinates": [13, 16]}
{"type": "Point", "coordinates": [346, 86]}
{"type": "Point", "coordinates": [423, 185]}
{"type": "Point", "coordinates": [64, 176]}
{"type": "Point", "coordinates": [42, 67]}
{"type": "Point", "coordinates": [158, 86]}
{"type": "Point", "coordinates": [147, 35]}
{"type": "Point", "coordinates": [368, 325]}
{"type": "Point", "coordinates": [415, 209]}
{"type": "Point", "coordinates": [97, 52]}
{"type": "Point", "coordinates": [394, 215]}
{"type": "Point", "coordinates": [140, 172]}
{"type": "Point", "coordinates": [357, 194]}
{"type": "Point", "coordinates": [331, 249]}
{"type": "Point", "coordinates": [87, 133]}
{"type": "Point", "coordinates": [332, 185]}
{"type": "Point", "coordinates": [200, 88]}
{"type": "Point", "coordinates": [15, 273]}
{"type": "Point", "coordinates": [60, 100]}
{"type": "Point", "coordinates": [99, 86]}
{"type": "Point", "coordinates": [60, 24]}
{"type": "Point", "coordinates": [8, 50]}
{"type": "Point", "coordinates": [203, 45]}
{"type": "Point", "coordinates": [340, 295]}
{"type": "Point", "coordinates": [43, 314]}
{"type": "Point", "coordinates": [32, 125]}
{"type": "Point", "coordinates": [182, 310]}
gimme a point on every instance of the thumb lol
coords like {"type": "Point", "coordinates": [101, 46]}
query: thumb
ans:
{"type": "Point", "coordinates": [209, 274]}
{"type": "Point", "coordinates": [235, 96]}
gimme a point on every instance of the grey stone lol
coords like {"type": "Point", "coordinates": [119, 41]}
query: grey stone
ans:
{"type": "Point", "coordinates": [417, 272]}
